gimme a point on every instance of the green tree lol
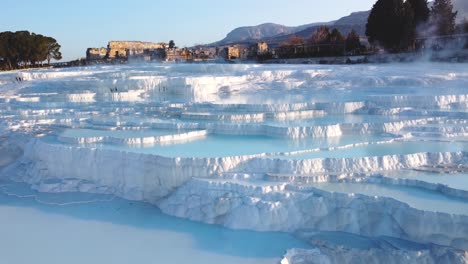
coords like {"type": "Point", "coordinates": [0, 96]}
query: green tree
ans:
{"type": "Point", "coordinates": [53, 50]}
{"type": "Point", "coordinates": [336, 37]}
{"type": "Point", "coordinates": [171, 44]}
{"type": "Point", "coordinates": [390, 24]}
{"type": "Point", "coordinates": [8, 50]}
{"type": "Point", "coordinates": [337, 42]}
{"type": "Point", "coordinates": [321, 36]}
{"type": "Point", "coordinates": [24, 45]}
{"type": "Point", "coordinates": [464, 29]}
{"type": "Point", "coordinates": [23, 49]}
{"type": "Point", "coordinates": [353, 43]}
{"type": "Point", "coordinates": [443, 17]}
{"type": "Point", "coordinates": [319, 42]}
{"type": "Point", "coordinates": [421, 11]}
{"type": "Point", "coordinates": [408, 27]}
{"type": "Point", "coordinates": [294, 40]}
{"type": "Point", "coordinates": [38, 49]}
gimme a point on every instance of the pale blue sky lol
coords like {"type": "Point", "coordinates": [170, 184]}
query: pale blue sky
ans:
{"type": "Point", "coordinates": [92, 23]}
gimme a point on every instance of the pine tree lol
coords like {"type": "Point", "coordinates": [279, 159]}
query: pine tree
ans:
{"type": "Point", "coordinates": [465, 31]}
{"type": "Point", "coordinates": [294, 40]}
{"type": "Point", "coordinates": [24, 49]}
{"type": "Point", "coordinates": [353, 42]}
{"type": "Point", "coordinates": [387, 24]}
{"type": "Point", "coordinates": [171, 44]}
{"type": "Point", "coordinates": [443, 17]}
{"type": "Point", "coordinates": [408, 27]}
{"type": "Point", "coordinates": [321, 36]}
{"type": "Point", "coordinates": [53, 50]}
{"type": "Point", "coordinates": [336, 37]}
{"type": "Point", "coordinates": [421, 11]}
{"type": "Point", "coordinates": [337, 42]}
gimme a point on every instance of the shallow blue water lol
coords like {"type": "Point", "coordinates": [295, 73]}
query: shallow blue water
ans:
{"type": "Point", "coordinates": [340, 119]}
{"type": "Point", "coordinates": [227, 145]}
{"type": "Point", "coordinates": [138, 232]}
{"type": "Point", "coordinates": [454, 180]}
{"type": "Point", "coordinates": [394, 148]}
{"type": "Point", "coordinates": [415, 197]}
{"type": "Point", "coordinates": [85, 133]}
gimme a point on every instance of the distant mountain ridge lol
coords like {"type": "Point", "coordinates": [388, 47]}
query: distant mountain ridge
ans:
{"type": "Point", "coordinates": [262, 31]}
{"type": "Point", "coordinates": [273, 32]}
{"type": "Point", "coordinates": [276, 33]}
{"type": "Point", "coordinates": [355, 18]}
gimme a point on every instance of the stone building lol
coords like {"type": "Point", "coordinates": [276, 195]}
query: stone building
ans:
{"type": "Point", "coordinates": [243, 52]}
{"type": "Point", "coordinates": [177, 55]}
{"type": "Point", "coordinates": [155, 54]}
{"type": "Point", "coordinates": [128, 49]}
{"type": "Point", "coordinates": [261, 48]}
{"type": "Point", "coordinates": [96, 53]}
{"type": "Point", "coordinates": [233, 52]}
{"type": "Point", "coordinates": [205, 53]}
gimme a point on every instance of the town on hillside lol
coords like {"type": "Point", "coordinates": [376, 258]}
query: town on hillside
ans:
{"type": "Point", "coordinates": [122, 51]}
{"type": "Point", "coordinates": [410, 29]}
{"type": "Point", "coordinates": [406, 28]}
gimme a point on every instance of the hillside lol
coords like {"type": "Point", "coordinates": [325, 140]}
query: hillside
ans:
{"type": "Point", "coordinates": [263, 31]}
{"type": "Point", "coordinates": [276, 33]}
{"type": "Point", "coordinates": [355, 18]}
{"type": "Point", "coordinates": [306, 33]}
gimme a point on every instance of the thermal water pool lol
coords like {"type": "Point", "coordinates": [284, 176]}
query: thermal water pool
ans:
{"type": "Point", "coordinates": [234, 145]}
{"type": "Point", "coordinates": [391, 148]}
{"type": "Point", "coordinates": [453, 180]}
{"type": "Point", "coordinates": [170, 136]}
{"type": "Point", "coordinates": [80, 228]}
{"type": "Point", "coordinates": [87, 133]}
{"type": "Point", "coordinates": [414, 197]}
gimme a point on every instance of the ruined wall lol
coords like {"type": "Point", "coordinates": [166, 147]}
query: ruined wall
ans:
{"type": "Point", "coordinates": [96, 53]}
{"type": "Point", "coordinates": [130, 48]}
{"type": "Point", "coordinates": [262, 48]}
{"type": "Point", "coordinates": [233, 52]}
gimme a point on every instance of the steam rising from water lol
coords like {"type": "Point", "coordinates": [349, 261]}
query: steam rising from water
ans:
{"type": "Point", "coordinates": [462, 7]}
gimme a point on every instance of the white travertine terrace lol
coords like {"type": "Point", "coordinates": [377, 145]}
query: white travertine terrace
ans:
{"type": "Point", "coordinates": [247, 146]}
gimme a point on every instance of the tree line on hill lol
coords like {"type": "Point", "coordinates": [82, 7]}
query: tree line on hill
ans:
{"type": "Point", "coordinates": [23, 49]}
{"type": "Point", "coordinates": [323, 42]}
{"type": "Point", "coordinates": [397, 25]}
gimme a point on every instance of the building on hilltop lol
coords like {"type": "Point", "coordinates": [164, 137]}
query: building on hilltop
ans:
{"type": "Point", "coordinates": [125, 50]}
{"type": "Point", "coordinates": [148, 51]}
{"type": "Point", "coordinates": [96, 53]}
{"type": "Point", "coordinates": [203, 53]}
{"type": "Point", "coordinates": [261, 48]}
{"type": "Point", "coordinates": [177, 55]}
{"type": "Point", "coordinates": [129, 49]}
{"type": "Point", "coordinates": [244, 51]}
{"type": "Point", "coordinates": [233, 52]}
